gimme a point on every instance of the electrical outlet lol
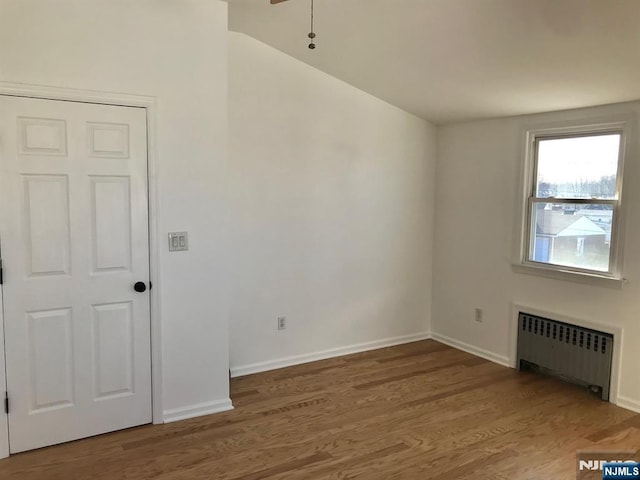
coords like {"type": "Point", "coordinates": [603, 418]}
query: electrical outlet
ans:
{"type": "Point", "coordinates": [282, 323]}
{"type": "Point", "coordinates": [478, 316]}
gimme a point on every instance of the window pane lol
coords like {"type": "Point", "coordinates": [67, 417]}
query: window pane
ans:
{"type": "Point", "coordinates": [578, 167]}
{"type": "Point", "coordinates": [571, 235]}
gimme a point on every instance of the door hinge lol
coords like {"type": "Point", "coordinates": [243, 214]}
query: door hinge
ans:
{"type": "Point", "coordinates": [6, 402]}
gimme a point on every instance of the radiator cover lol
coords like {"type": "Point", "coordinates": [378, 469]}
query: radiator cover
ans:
{"type": "Point", "coordinates": [574, 353]}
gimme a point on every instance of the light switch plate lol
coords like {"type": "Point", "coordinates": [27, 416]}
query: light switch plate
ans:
{"type": "Point", "coordinates": [178, 241]}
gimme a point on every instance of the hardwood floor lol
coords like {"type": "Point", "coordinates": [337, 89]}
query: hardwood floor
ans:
{"type": "Point", "coordinates": [417, 411]}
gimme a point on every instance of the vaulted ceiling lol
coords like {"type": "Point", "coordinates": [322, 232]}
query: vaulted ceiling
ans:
{"type": "Point", "coordinates": [455, 60]}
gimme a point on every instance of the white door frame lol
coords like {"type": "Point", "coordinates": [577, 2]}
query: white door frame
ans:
{"type": "Point", "coordinates": [126, 100]}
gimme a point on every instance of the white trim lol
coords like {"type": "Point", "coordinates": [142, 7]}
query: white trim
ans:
{"type": "Point", "coordinates": [75, 95]}
{"type": "Point", "coordinates": [127, 100]}
{"type": "Point", "coordinates": [625, 123]}
{"type": "Point", "coordinates": [154, 264]}
{"type": "Point", "coordinates": [472, 349]}
{"type": "Point", "coordinates": [628, 403]}
{"type": "Point", "coordinates": [250, 369]}
{"type": "Point", "coordinates": [4, 418]}
{"type": "Point", "coordinates": [558, 273]}
{"type": "Point", "coordinates": [198, 410]}
{"type": "Point", "coordinates": [614, 330]}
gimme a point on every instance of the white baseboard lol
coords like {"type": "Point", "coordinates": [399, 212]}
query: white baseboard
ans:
{"type": "Point", "coordinates": [479, 352]}
{"type": "Point", "coordinates": [628, 403]}
{"type": "Point", "coordinates": [324, 354]}
{"type": "Point", "coordinates": [198, 410]}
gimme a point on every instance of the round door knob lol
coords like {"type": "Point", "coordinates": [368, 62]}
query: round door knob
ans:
{"type": "Point", "coordinates": [140, 287]}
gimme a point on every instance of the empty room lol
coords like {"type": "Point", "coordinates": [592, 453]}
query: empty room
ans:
{"type": "Point", "coordinates": [319, 239]}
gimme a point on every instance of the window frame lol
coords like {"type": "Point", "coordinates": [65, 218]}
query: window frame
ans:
{"type": "Point", "coordinates": [619, 125]}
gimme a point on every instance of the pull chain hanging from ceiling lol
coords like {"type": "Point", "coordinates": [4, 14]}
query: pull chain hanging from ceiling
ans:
{"type": "Point", "coordinates": [312, 35]}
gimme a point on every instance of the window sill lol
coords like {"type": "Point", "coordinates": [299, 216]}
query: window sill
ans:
{"type": "Point", "coordinates": [570, 276]}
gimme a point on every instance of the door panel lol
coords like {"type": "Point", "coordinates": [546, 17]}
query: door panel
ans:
{"type": "Point", "coordinates": [46, 212]}
{"type": "Point", "coordinates": [113, 350]}
{"type": "Point", "coordinates": [74, 233]}
{"type": "Point", "coordinates": [51, 361]}
{"type": "Point", "coordinates": [111, 224]}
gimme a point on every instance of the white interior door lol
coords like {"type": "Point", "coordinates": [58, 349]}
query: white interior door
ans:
{"type": "Point", "coordinates": [74, 242]}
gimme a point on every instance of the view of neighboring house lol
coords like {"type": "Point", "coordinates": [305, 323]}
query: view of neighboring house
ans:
{"type": "Point", "coordinates": [600, 215]}
{"type": "Point", "coordinates": [563, 237]}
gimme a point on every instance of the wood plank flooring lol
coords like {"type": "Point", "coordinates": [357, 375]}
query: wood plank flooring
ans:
{"type": "Point", "coordinates": [416, 411]}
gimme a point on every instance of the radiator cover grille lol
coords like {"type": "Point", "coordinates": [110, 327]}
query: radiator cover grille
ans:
{"type": "Point", "coordinates": [577, 354]}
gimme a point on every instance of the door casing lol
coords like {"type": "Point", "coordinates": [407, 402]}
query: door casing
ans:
{"type": "Point", "coordinates": [149, 103]}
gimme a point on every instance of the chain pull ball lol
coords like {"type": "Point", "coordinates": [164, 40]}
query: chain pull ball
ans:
{"type": "Point", "coordinates": [312, 35]}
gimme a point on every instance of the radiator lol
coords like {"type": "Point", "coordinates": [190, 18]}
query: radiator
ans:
{"type": "Point", "coordinates": [579, 355]}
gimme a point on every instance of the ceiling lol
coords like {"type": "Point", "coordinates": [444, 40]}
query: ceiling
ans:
{"type": "Point", "coordinates": [456, 60]}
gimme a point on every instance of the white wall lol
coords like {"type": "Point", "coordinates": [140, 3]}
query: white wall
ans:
{"type": "Point", "coordinates": [478, 181]}
{"type": "Point", "coordinates": [176, 51]}
{"type": "Point", "coordinates": [332, 211]}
